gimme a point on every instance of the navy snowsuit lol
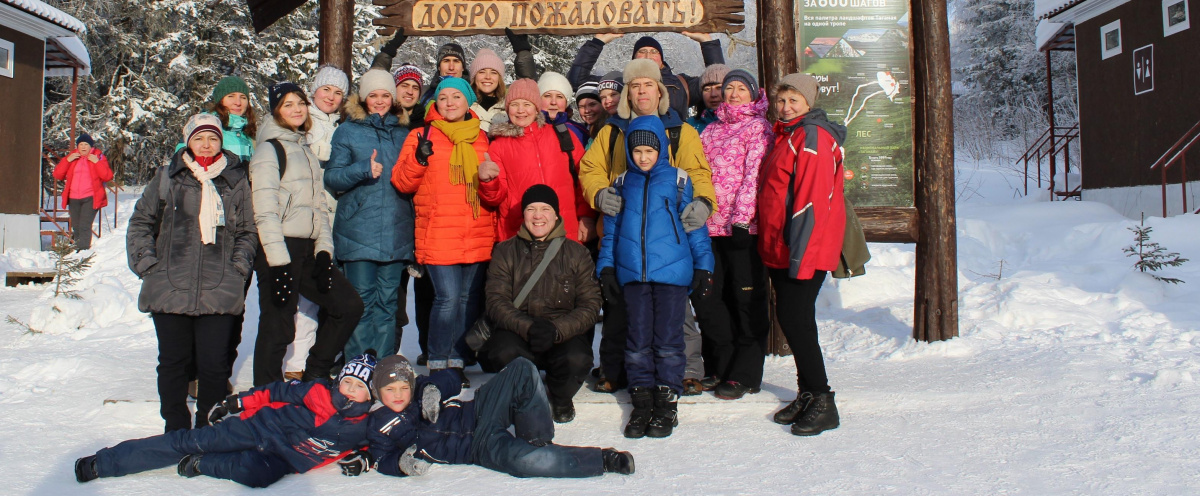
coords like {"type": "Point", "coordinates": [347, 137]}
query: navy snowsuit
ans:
{"type": "Point", "coordinates": [476, 432]}
{"type": "Point", "coordinates": [285, 428]}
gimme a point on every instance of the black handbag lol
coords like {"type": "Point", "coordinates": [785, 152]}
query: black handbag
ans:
{"type": "Point", "coordinates": [481, 330]}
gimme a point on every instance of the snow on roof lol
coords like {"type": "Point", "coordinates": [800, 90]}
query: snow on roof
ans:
{"type": "Point", "coordinates": [1046, 8]}
{"type": "Point", "coordinates": [74, 48]}
{"type": "Point", "coordinates": [1047, 31]}
{"type": "Point", "coordinates": [45, 11]}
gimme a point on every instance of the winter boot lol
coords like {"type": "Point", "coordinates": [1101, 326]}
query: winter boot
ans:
{"type": "Point", "coordinates": [709, 383]}
{"type": "Point", "coordinates": [692, 387]}
{"type": "Point", "coordinates": [643, 410]}
{"type": "Point", "coordinates": [189, 466]}
{"type": "Point", "coordinates": [562, 411]}
{"type": "Point", "coordinates": [794, 409]}
{"type": "Point", "coordinates": [619, 462]}
{"type": "Point", "coordinates": [820, 416]}
{"type": "Point", "coordinates": [85, 468]}
{"type": "Point", "coordinates": [666, 412]}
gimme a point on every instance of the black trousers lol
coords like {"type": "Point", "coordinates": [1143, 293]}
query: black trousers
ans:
{"type": "Point", "coordinates": [423, 296]}
{"type": "Point", "coordinates": [566, 363]}
{"type": "Point", "coordinates": [187, 343]}
{"type": "Point", "coordinates": [796, 308]}
{"type": "Point", "coordinates": [82, 215]}
{"type": "Point", "coordinates": [277, 325]}
{"type": "Point", "coordinates": [613, 333]}
{"type": "Point", "coordinates": [734, 321]}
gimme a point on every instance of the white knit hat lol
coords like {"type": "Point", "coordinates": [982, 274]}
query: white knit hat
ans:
{"type": "Point", "coordinates": [553, 81]}
{"type": "Point", "coordinates": [374, 80]}
{"type": "Point", "coordinates": [329, 75]}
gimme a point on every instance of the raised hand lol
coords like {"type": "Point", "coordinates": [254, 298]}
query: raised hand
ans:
{"type": "Point", "coordinates": [488, 170]}
{"type": "Point", "coordinates": [376, 167]}
{"type": "Point", "coordinates": [698, 37]}
{"type": "Point", "coordinates": [73, 156]}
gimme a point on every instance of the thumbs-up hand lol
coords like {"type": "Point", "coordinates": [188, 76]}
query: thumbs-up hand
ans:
{"type": "Point", "coordinates": [376, 167]}
{"type": "Point", "coordinates": [488, 170]}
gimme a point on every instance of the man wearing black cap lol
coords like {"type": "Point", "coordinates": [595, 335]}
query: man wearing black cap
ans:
{"type": "Point", "coordinates": [552, 325]}
{"type": "Point", "coordinates": [684, 90]}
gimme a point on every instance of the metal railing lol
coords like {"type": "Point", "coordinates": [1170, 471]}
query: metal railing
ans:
{"type": "Point", "coordinates": [1177, 153]}
{"type": "Point", "coordinates": [1048, 146]}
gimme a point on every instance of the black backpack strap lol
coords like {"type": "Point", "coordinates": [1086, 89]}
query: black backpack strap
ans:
{"type": "Point", "coordinates": [280, 154]}
{"type": "Point", "coordinates": [566, 145]}
{"type": "Point", "coordinates": [164, 190]}
{"type": "Point", "coordinates": [614, 133]}
{"type": "Point", "coordinates": [674, 134]}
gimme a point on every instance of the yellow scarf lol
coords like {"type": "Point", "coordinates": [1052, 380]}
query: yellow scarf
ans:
{"type": "Point", "coordinates": [464, 164]}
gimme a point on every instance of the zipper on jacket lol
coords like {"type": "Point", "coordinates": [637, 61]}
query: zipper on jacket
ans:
{"type": "Point", "coordinates": [645, 206]}
{"type": "Point", "coordinates": [674, 230]}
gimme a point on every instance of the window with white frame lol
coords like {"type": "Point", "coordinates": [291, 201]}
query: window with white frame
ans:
{"type": "Point", "coordinates": [1176, 17]}
{"type": "Point", "coordinates": [6, 58]}
{"type": "Point", "coordinates": [1110, 39]}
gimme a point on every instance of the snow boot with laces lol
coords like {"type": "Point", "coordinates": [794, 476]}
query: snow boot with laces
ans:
{"type": "Point", "coordinates": [794, 409]}
{"type": "Point", "coordinates": [643, 410]}
{"type": "Point", "coordinates": [666, 412]}
{"type": "Point", "coordinates": [619, 462]}
{"type": "Point", "coordinates": [820, 416]}
{"type": "Point", "coordinates": [189, 466]}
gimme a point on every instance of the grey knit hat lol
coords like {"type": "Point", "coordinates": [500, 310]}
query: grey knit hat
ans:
{"type": "Point", "coordinates": [714, 74]}
{"type": "Point", "coordinates": [329, 75]}
{"type": "Point", "coordinates": [803, 83]}
{"type": "Point", "coordinates": [612, 81]}
{"type": "Point", "coordinates": [394, 368]}
{"type": "Point", "coordinates": [642, 137]}
{"type": "Point", "coordinates": [745, 78]}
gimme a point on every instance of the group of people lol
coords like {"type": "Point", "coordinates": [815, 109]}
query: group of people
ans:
{"type": "Point", "coordinates": [654, 202]}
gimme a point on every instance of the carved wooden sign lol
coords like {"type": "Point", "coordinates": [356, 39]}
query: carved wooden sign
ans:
{"type": "Point", "coordinates": [570, 17]}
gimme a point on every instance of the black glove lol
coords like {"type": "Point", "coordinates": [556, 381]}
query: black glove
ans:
{"type": "Point", "coordinates": [520, 42]}
{"type": "Point", "coordinates": [323, 271]}
{"type": "Point", "coordinates": [740, 237]}
{"type": "Point", "coordinates": [393, 45]}
{"type": "Point", "coordinates": [358, 462]}
{"type": "Point", "coordinates": [424, 149]}
{"type": "Point", "coordinates": [542, 334]}
{"type": "Point", "coordinates": [609, 287]}
{"type": "Point", "coordinates": [281, 285]}
{"type": "Point", "coordinates": [232, 404]}
{"type": "Point", "coordinates": [702, 284]}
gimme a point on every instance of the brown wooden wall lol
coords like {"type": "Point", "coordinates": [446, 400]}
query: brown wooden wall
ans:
{"type": "Point", "coordinates": [21, 125]}
{"type": "Point", "coordinates": [1122, 134]}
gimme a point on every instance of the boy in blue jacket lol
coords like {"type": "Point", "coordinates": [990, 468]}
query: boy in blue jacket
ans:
{"type": "Point", "coordinates": [647, 253]}
{"type": "Point", "coordinates": [283, 428]}
{"type": "Point", "coordinates": [423, 421]}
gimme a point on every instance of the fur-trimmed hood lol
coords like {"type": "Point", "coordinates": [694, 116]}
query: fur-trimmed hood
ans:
{"type": "Point", "coordinates": [503, 128]}
{"type": "Point", "coordinates": [354, 110]}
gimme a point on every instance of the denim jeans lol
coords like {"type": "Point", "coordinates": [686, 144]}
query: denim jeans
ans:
{"type": "Point", "coordinates": [457, 302]}
{"type": "Point", "coordinates": [654, 350]}
{"type": "Point", "coordinates": [378, 283]}
{"type": "Point", "coordinates": [516, 397]}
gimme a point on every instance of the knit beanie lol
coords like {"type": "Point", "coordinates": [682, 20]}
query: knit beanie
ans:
{"type": "Point", "coordinates": [197, 124]}
{"type": "Point", "coordinates": [713, 74]}
{"type": "Point", "coordinates": [394, 368]}
{"type": "Point", "coordinates": [375, 80]}
{"type": "Point", "coordinates": [642, 68]}
{"type": "Point", "coordinates": [590, 89]}
{"type": "Point", "coordinates": [408, 72]}
{"type": "Point", "coordinates": [805, 84]}
{"type": "Point", "coordinates": [85, 138]}
{"type": "Point", "coordinates": [329, 75]}
{"type": "Point", "coordinates": [612, 81]}
{"type": "Point", "coordinates": [642, 137]}
{"type": "Point", "coordinates": [540, 193]}
{"type": "Point", "coordinates": [647, 41]}
{"type": "Point", "coordinates": [361, 367]}
{"type": "Point", "coordinates": [451, 50]}
{"type": "Point", "coordinates": [459, 84]}
{"type": "Point", "coordinates": [486, 58]}
{"type": "Point", "coordinates": [279, 90]}
{"type": "Point", "coordinates": [745, 78]}
{"type": "Point", "coordinates": [227, 85]}
{"type": "Point", "coordinates": [523, 89]}
{"type": "Point", "coordinates": [553, 81]}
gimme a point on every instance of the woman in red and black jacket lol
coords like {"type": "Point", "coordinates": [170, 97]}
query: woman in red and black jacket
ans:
{"type": "Point", "coordinates": [85, 170]}
{"type": "Point", "coordinates": [801, 223]}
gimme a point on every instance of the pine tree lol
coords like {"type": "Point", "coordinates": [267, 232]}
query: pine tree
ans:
{"type": "Point", "coordinates": [1151, 257]}
{"type": "Point", "coordinates": [68, 267]}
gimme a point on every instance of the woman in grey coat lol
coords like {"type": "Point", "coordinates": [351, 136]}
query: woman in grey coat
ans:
{"type": "Point", "coordinates": [191, 240]}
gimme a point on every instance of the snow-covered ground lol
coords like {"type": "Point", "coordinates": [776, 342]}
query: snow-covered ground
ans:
{"type": "Point", "coordinates": [1073, 374]}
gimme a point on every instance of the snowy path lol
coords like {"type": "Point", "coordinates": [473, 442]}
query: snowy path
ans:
{"type": "Point", "coordinates": [1073, 375]}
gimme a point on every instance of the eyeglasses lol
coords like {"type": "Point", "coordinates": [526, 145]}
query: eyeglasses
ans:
{"type": "Point", "coordinates": [647, 51]}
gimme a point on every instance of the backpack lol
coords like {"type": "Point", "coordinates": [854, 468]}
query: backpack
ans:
{"type": "Point", "coordinates": [681, 179]}
{"type": "Point", "coordinates": [567, 146]}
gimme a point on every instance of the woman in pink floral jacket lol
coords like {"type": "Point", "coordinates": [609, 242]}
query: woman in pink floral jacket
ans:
{"type": "Point", "coordinates": [735, 146]}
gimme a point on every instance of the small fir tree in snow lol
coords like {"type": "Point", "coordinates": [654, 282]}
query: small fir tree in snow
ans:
{"type": "Point", "coordinates": [1151, 257]}
{"type": "Point", "coordinates": [68, 267]}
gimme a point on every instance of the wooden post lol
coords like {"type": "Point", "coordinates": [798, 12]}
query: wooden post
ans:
{"type": "Point", "coordinates": [776, 42]}
{"type": "Point", "coordinates": [1050, 112]}
{"type": "Point", "coordinates": [74, 90]}
{"type": "Point", "coordinates": [336, 33]}
{"type": "Point", "coordinates": [936, 294]}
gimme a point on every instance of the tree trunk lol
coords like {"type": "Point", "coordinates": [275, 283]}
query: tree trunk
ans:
{"type": "Point", "coordinates": [336, 33]}
{"type": "Point", "coordinates": [776, 42]}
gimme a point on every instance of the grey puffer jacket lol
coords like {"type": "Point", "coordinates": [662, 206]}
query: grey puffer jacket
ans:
{"type": "Point", "coordinates": [292, 206]}
{"type": "Point", "coordinates": [179, 273]}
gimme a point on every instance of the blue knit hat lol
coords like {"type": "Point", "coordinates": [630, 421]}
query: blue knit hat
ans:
{"type": "Point", "coordinates": [361, 367]}
{"type": "Point", "coordinates": [647, 41]}
{"type": "Point", "coordinates": [85, 138]}
{"type": "Point", "coordinates": [281, 89]}
{"type": "Point", "coordinates": [459, 84]}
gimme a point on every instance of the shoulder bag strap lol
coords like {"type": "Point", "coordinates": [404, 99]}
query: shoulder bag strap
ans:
{"type": "Point", "coordinates": [538, 271]}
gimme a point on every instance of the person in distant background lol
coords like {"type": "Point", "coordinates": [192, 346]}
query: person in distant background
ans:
{"type": "Point", "coordinates": [85, 170]}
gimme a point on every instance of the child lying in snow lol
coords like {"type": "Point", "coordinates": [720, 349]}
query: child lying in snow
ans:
{"type": "Point", "coordinates": [284, 428]}
{"type": "Point", "coordinates": [410, 434]}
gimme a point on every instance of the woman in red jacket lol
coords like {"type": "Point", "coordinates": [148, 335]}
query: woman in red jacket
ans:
{"type": "Point", "coordinates": [525, 151]}
{"type": "Point", "coordinates": [801, 223]}
{"type": "Point", "coordinates": [86, 170]}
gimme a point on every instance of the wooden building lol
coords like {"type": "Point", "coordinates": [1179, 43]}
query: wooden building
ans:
{"type": "Point", "coordinates": [36, 41]}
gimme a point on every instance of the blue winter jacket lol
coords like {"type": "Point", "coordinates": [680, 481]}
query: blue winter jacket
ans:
{"type": "Point", "coordinates": [446, 441]}
{"type": "Point", "coordinates": [309, 424]}
{"type": "Point", "coordinates": [374, 222]}
{"type": "Point", "coordinates": [645, 242]}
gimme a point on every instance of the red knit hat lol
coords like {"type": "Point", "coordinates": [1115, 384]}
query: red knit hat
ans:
{"type": "Point", "coordinates": [524, 89]}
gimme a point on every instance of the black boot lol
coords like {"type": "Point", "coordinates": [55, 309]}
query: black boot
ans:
{"type": "Point", "coordinates": [643, 410]}
{"type": "Point", "coordinates": [620, 462]}
{"type": "Point", "coordinates": [794, 409]}
{"type": "Point", "coordinates": [562, 411]}
{"type": "Point", "coordinates": [820, 416]}
{"type": "Point", "coordinates": [85, 468]}
{"type": "Point", "coordinates": [666, 412]}
{"type": "Point", "coordinates": [733, 390]}
{"type": "Point", "coordinates": [189, 466]}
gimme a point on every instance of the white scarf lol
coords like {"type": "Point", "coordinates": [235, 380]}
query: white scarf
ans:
{"type": "Point", "coordinates": [212, 210]}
